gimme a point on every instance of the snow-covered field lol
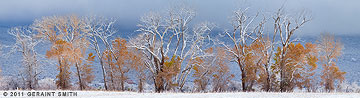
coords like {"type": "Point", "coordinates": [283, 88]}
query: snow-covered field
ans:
{"type": "Point", "coordinates": [220, 95]}
{"type": "Point", "coordinates": [109, 94]}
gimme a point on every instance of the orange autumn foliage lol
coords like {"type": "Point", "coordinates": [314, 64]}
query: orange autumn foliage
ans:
{"type": "Point", "coordinates": [221, 74]}
{"type": "Point", "coordinates": [137, 64]}
{"type": "Point", "coordinates": [300, 63]}
{"type": "Point", "coordinates": [119, 64]}
{"type": "Point", "coordinates": [203, 69]}
{"type": "Point", "coordinates": [56, 52]}
{"type": "Point", "coordinates": [330, 51]}
{"type": "Point", "coordinates": [68, 37]}
{"type": "Point", "coordinates": [169, 71]}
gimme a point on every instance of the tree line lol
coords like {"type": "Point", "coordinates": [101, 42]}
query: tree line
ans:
{"type": "Point", "coordinates": [168, 50]}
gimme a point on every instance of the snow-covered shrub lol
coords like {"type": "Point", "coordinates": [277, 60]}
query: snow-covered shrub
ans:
{"type": "Point", "coordinates": [4, 83]}
{"type": "Point", "coordinates": [97, 85]}
{"type": "Point", "coordinates": [47, 84]}
{"type": "Point", "coordinates": [130, 86]}
{"type": "Point", "coordinates": [347, 87]}
{"type": "Point", "coordinates": [190, 87]}
{"type": "Point", "coordinates": [234, 86]}
{"type": "Point", "coordinates": [10, 83]}
{"type": "Point", "coordinates": [148, 87]}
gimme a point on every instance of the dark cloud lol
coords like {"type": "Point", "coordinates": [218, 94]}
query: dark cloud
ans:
{"type": "Point", "coordinates": [338, 16]}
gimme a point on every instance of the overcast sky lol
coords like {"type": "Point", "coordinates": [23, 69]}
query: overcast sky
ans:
{"type": "Point", "coordinates": [336, 16]}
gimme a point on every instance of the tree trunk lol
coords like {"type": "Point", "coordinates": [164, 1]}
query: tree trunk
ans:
{"type": "Point", "coordinates": [104, 73]}
{"type": "Point", "coordinates": [122, 82]}
{"type": "Point", "coordinates": [140, 86]}
{"type": "Point", "coordinates": [101, 61]}
{"type": "Point", "coordinates": [60, 81]}
{"type": "Point", "coordinates": [159, 83]}
{"type": "Point", "coordinates": [111, 75]}
{"type": "Point", "coordinates": [159, 87]}
{"type": "Point", "coordinates": [29, 79]}
{"type": "Point", "coordinates": [79, 76]}
{"type": "Point", "coordinates": [112, 80]}
{"type": "Point", "coordinates": [243, 76]}
{"type": "Point", "coordinates": [282, 71]}
{"type": "Point", "coordinates": [158, 80]}
{"type": "Point", "coordinates": [63, 82]}
{"type": "Point", "coordinates": [243, 82]}
{"type": "Point", "coordinates": [282, 81]}
{"type": "Point", "coordinates": [267, 83]}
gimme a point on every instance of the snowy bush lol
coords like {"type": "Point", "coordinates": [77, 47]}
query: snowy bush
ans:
{"type": "Point", "coordinates": [347, 87]}
{"type": "Point", "coordinates": [10, 83]}
{"type": "Point", "coordinates": [47, 84]}
{"type": "Point", "coordinates": [234, 86]}
{"type": "Point", "coordinates": [148, 87]}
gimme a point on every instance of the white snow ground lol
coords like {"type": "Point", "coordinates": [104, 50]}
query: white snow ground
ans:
{"type": "Point", "coordinates": [109, 94]}
{"type": "Point", "coordinates": [218, 95]}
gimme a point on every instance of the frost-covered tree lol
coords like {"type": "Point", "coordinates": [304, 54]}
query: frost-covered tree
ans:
{"type": "Point", "coordinates": [241, 37]}
{"type": "Point", "coordinates": [212, 69]}
{"type": "Point", "coordinates": [100, 31]}
{"type": "Point", "coordinates": [300, 63]}
{"type": "Point", "coordinates": [68, 36]}
{"type": "Point", "coordinates": [85, 71]}
{"type": "Point", "coordinates": [221, 76]}
{"type": "Point", "coordinates": [285, 26]}
{"type": "Point", "coordinates": [56, 52]}
{"type": "Point", "coordinates": [203, 70]}
{"type": "Point", "coordinates": [137, 64]}
{"type": "Point", "coordinates": [263, 53]}
{"type": "Point", "coordinates": [253, 52]}
{"type": "Point", "coordinates": [330, 50]}
{"type": "Point", "coordinates": [168, 35]}
{"type": "Point", "coordinates": [25, 43]}
{"type": "Point", "coordinates": [119, 61]}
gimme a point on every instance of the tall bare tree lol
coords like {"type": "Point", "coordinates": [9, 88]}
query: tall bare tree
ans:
{"type": "Point", "coordinates": [166, 36]}
{"type": "Point", "coordinates": [100, 31]}
{"type": "Point", "coordinates": [241, 37]}
{"type": "Point", "coordinates": [25, 44]}
{"type": "Point", "coordinates": [285, 27]}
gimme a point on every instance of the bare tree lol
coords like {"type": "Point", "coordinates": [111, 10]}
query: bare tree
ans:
{"type": "Point", "coordinates": [166, 36]}
{"type": "Point", "coordinates": [241, 37]}
{"type": "Point", "coordinates": [100, 30]}
{"type": "Point", "coordinates": [285, 27]}
{"type": "Point", "coordinates": [25, 44]}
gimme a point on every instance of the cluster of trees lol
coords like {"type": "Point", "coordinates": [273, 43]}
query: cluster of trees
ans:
{"type": "Point", "coordinates": [168, 51]}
